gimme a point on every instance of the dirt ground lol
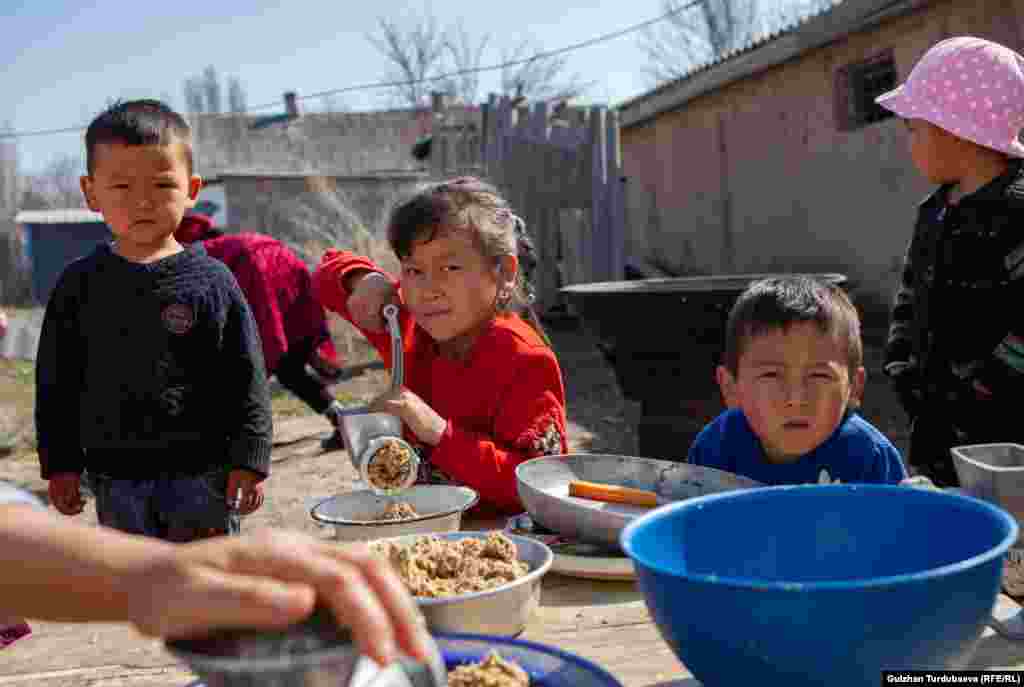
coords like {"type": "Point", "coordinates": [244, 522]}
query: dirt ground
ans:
{"type": "Point", "coordinates": [114, 655]}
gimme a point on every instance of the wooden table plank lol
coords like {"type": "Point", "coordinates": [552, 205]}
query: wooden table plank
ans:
{"type": "Point", "coordinates": [606, 623]}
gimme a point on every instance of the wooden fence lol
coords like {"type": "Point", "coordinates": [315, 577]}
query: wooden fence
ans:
{"type": "Point", "coordinates": [562, 172]}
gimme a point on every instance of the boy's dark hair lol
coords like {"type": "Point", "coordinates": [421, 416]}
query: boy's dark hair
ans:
{"type": "Point", "coordinates": [138, 122]}
{"type": "Point", "coordinates": [778, 302]}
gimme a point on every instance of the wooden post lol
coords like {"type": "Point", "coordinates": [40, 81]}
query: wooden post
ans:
{"type": "Point", "coordinates": [616, 204]}
{"type": "Point", "coordinates": [291, 105]}
{"type": "Point", "coordinates": [488, 134]}
{"type": "Point", "coordinates": [599, 263]}
{"type": "Point", "coordinates": [539, 129]}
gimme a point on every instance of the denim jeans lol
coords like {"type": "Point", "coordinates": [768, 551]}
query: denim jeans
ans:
{"type": "Point", "coordinates": [178, 508]}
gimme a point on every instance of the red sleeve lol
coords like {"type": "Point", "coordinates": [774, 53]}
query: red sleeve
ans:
{"type": "Point", "coordinates": [329, 277]}
{"type": "Point", "coordinates": [530, 423]}
{"type": "Point", "coordinates": [328, 280]}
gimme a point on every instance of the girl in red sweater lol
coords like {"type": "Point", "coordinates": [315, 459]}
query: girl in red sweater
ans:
{"type": "Point", "coordinates": [483, 390]}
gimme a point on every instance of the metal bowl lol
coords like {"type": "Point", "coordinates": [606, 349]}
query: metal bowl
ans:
{"type": "Point", "coordinates": [352, 514]}
{"type": "Point", "coordinates": [502, 611]}
{"type": "Point", "coordinates": [543, 485]}
{"type": "Point", "coordinates": [312, 653]}
{"type": "Point", "coordinates": [993, 472]}
{"type": "Point", "coordinates": [547, 666]}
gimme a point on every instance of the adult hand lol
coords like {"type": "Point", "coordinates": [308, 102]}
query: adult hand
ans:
{"type": "Point", "coordinates": [252, 491]}
{"type": "Point", "coordinates": [368, 297]}
{"type": "Point", "coordinates": [272, 579]}
{"type": "Point", "coordinates": [415, 413]}
{"type": "Point", "coordinates": [65, 491]}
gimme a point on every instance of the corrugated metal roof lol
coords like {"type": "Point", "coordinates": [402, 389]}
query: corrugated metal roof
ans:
{"type": "Point", "coordinates": [66, 216]}
{"type": "Point", "coordinates": [326, 143]}
{"type": "Point", "coordinates": [789, 19]}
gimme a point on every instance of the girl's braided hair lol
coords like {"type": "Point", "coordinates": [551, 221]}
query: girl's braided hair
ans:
{"type": "Point", "coordinates": [468, 202]}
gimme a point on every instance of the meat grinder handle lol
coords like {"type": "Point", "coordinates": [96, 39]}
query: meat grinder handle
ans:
{"type": "Point", "coordinates": [390, 313]}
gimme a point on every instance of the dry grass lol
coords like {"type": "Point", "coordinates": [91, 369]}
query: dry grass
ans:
{"type": "Point", "coordinates": [17, 405]}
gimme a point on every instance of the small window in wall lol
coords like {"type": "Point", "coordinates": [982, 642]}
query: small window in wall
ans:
{"type": "Point", "coordinates": [857, 86]}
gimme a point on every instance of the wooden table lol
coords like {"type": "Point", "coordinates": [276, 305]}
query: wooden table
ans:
{"type": "Point", "coordinates": [608, 623]}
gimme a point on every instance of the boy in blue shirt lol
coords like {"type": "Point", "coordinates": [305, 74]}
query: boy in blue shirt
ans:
{"type": "Point", "coordinates": [791, 377]}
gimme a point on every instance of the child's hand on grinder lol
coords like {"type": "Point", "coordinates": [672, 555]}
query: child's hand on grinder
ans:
{"type": "Point", "coordinates": [415, 413]}
{"type": "Point", "coordinates": [369, 292]}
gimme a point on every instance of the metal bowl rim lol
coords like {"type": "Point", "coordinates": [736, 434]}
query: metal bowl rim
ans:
{"type": "Point", "coordinates": [751, 483]}
{"type": "Point", "coordinates": [639, 285]}
{"type": "Point", "coordinates": [197, 661]}
{"type": "Point", "coordinates": [341, 522]}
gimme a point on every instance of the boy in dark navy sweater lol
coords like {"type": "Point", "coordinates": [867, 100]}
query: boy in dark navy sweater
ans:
{"type": "Point", "coordinates": [150, 375]}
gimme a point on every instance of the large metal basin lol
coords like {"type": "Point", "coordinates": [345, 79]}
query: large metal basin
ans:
{"type": "Point", "coordinates": [663, 338]}
{"type": "Point", "coordinates": [543, 485]}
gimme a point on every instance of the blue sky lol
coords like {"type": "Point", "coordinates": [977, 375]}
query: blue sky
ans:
{"type": "Point", "coordinates": [62, 60]}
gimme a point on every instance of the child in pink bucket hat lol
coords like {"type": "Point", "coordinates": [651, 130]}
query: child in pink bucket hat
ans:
{"type": "Point", "coordinates": [955, 352]}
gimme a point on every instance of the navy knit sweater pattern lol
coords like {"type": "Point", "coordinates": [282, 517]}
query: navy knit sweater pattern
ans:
{"type": "Point", "coordinates": [150, 369]}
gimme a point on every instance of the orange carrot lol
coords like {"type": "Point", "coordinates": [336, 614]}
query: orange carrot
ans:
{"type": "Point", "coordinates": [611, 493]}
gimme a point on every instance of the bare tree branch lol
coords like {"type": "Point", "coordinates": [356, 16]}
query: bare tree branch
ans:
{"type": "Point", "coordinates": [464, 55]}
{"type": "Point", "coordinates": [212, 91]}
{"type": "Point", "coordinates": [8, 174]}
{"type": "Point", "coordinates": [236, 95]}
{"type": "Point", "coordinates": [416, 51]}
{"type": "Point", "coordinates": [539, 78]}
{"type": "Point", "coordinates": [697, 34]}
{"type": "Point", "coordinates": [57, 187]}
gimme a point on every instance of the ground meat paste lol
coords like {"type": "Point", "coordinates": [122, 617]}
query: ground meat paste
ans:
{"type": "Point", "coordinates": [390, 466]}
{"type": "Point", "coordinates": [436, 567]}
{"type": "Point", "coordinates": [493, 671]}
{"type": "Point", "coordinates": [399, 510]}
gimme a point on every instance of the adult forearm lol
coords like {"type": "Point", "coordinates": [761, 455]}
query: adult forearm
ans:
{"type": "Point", "coordinates": [60, 570]}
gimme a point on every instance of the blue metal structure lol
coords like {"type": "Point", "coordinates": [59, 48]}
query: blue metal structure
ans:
{"type": "Point", "coordinates": [54, 239]}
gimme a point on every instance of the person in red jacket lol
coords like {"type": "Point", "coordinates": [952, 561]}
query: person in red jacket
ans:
{"type": "Point", "coordinates": [293, 328]}
{"type": "Point", "coordinates": [483, 389]}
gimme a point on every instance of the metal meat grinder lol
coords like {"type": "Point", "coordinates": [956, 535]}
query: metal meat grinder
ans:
{"type": "Point", "coordinates": [365, 433]}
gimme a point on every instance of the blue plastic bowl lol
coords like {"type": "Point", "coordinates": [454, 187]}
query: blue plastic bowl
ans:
{"type": "Point", "coordinates": [546, 665]}
{"type": "Point", "coordinates": [801, 585]}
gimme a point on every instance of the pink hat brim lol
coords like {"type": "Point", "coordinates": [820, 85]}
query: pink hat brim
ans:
{"type": "Point", "coordinates": [898, 102]}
